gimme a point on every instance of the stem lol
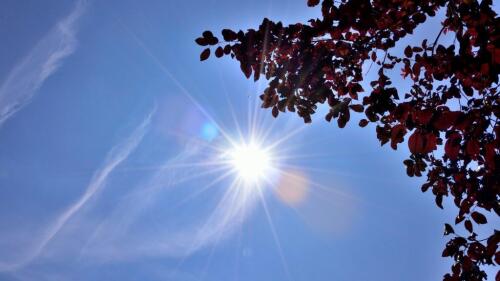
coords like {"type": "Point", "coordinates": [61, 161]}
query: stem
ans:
{"type": "Point", "coordinates": [437, 38]}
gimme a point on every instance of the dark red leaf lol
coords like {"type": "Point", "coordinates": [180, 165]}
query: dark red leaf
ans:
{"type": "Point", "coordinates": [479, 218]}
{"type": "Point", "coordinates": [312, 3]}
{"type": "Point", "coordinates": [452, 146]}
{"type": "Point", "coordinates": [422, 117]}
{"type": "Point", "coordinates": [356, 107]}
{"type": "Point", "coordinates": [446, 119]}
{"type": "Point", "coordinates": [468, 226]}
{"type": "Point", "coordinates": [450, 250]}
{"type": "Point", "coordinates": [342, 121]}
{"type": "Point", "coordinates": [473, 148]}
{"type": "Point", "coordinates": [219, 52]}
{"type": "Point", "coordinates": [246, 69]}
{"type": "Point", "coordinates": [363, 122]}
{"type": "Point", "coordinates": [448, 229]}
{"type": "Point", "coordinates": [201, 41]}
{"type": "Point", "coordinates": [408, 52]}
{"type": "Point", "coordinates": [459, 219]}
{"type": "Point", "coordinates": [422, 143]}
{"type": "Point", "coordinates": [439, 201]}
{"type": "Point", "coordinates": [329, 116]}
{"type": "Point", "coordinates": [207, 34]}
{"type": "Point", "coordinates": [397, 134]}
{"type": "Point", "coordinates": [430, 142]}
{"type": "Point", "coordinates": [205, 54]}
{"type": "Point", "coordinates": [229, 35]}
{"type": "Point", "coordinates": [275, 111]}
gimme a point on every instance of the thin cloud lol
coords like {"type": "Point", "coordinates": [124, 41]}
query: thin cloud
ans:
{"type": "Point", "coordinates": [175, 239]}
{"type": "Point", "coordinates": [23, 81]}
{"type": "Point", "coordinates": [116, 156]}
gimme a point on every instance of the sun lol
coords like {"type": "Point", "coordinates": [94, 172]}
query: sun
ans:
{"type": "Point", "coordinates": [251, 162]}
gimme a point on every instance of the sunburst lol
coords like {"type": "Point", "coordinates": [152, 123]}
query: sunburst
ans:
{"type": "Point", "coordinates": [252, 162]}
{"type": "Point", "coordinates": [253, 159]}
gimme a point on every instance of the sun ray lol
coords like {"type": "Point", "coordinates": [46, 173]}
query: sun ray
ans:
{"type": "Point", "coordinates": [231, 108]}
{"type": "Point", "coordinates": [274, 234]}
{"type": "Point", "coordinates": [203, 189]}
{"type": "Point", "coordinates": [195, 242]}
{"type": "Point", "coordinates": [314, 169]}
{"type": "Point", "coordinates": [286, 137]}
{"type": "Point", "coordinates": [253, 155]}
{"type": "Point", "coordinates": [216, 242]}
{"type": "Point", "coordinates": [179, 85]}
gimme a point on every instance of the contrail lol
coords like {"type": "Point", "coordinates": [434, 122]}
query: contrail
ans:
{"type": "Point", "coordinates": [23, 81]}
{"type": "Point", "coordinates": [116, 156]}
{"type": "Point", "coordinates": [106, 242]}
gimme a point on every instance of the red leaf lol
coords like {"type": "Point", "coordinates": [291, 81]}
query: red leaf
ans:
{"type": "Point", "coordinates": [448, 252]}
{"type": "Point", "coordinates": [363, 122]}
{"type": "Point", "coordinates": [446, 119]}
{"type": "Point", "coordinates": [422, 117]}
{"type": "Point", "coordinates": [229, 35]}
{"type": "Point", "coordinates": [490, 156]}
{"type": "Point", "coordinates": [413, 142]}
{"type": "Point", "coordinates": [468, 226]}
{"type": "Point", "coordinates": [452, 146]}
{"type": "Point", "coordinates": [342, 121]}
{"type": "Point", "coordinates": [275, 111]}
{"type": "Point", "coordinates": [430, 142]}
{"type": "Point", "coordinates": [439, 201]}
{"type": "Point", "coordinates": [416, 71]}
{"type": "Point", "coordinates": [496, 56]}
{"type": "Point", "coordinates": [357, 107]}
{"type": "Point", "coordinates": [473, 148]}
{"type": "Point", "coordinates": [485, 69]}
{"type": "Point", "coordinates": [422, 143]}
{"type": "Point", "coordinates": [408, 51]}
{"type": "Point", "coordinates": [479, 218]}
{"type": "Point", "coordinates": [312, 3]}
{"type": "Point", "coordinates": [247, 69]}
{"type": "Point", "coordinates": [205, 54]}
{"type": "Point", "coordinates": [448, 229]}
{"type": "Point", "coordinates": [207, 34]}
{"type": "Point", "coordinates": [397, 134]}
{"type": "Point", "coordinates": [209, 38]}
{"type": "Point", "coordinates": [329, 116]}
{"type": "Point", "coordinates": [201, 41]}
{"type": "Point", "coordinates": [219, 52]}
{"type": "Point", "coordinates": [459, 219]}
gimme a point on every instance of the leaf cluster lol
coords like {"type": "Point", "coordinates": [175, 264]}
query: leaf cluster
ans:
{"type": "Point", "coordinates": [453, 101]}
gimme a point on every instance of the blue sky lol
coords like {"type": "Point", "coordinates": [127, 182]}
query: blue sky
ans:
{"type": "Point", "coordinates": [109, 131]}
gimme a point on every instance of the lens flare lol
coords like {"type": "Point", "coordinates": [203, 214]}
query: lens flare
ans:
{"type": "Point", "coordinates": [293, 187]}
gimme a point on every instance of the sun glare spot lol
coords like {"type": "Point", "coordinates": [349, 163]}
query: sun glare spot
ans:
{"type": "Point", "coordinates": [251, 162]}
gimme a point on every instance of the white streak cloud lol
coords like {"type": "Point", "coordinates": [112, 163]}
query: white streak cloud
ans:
{"type": "Point", "coordinates": [115, 156]}
{"type": "Point", "coordinates": [176, 237]}
{"type": "Point", "coordinates": [23, 81]}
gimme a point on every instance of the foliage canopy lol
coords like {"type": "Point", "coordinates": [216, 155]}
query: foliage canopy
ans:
{"type": "Point", "coordinates": [453, 99]}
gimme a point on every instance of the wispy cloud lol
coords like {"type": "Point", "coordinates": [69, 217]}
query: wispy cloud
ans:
{"type": "Point", "coordinates": [43, 60]}
{"type": "Point", "coordinates": [176, 237]}
{"type": "Point", "coordinates": [116, 156]}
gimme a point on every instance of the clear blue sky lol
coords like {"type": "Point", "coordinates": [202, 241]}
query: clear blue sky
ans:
{"type": "Point", "coordinates": [109, 128]}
